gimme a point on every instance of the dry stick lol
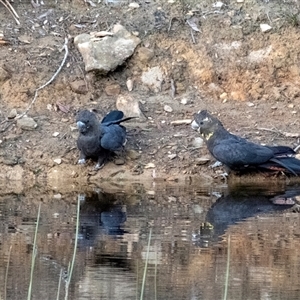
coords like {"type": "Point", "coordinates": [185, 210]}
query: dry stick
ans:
{"type": "Point", "coordinates": [11, 10]}
{"type": "Point", "coordinates": [48, 82]}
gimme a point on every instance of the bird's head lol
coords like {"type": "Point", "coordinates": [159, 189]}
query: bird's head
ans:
{"type": "Point", "coordinates": [205, 124]}
{"type": "Point", "coordinates": [86, 121]}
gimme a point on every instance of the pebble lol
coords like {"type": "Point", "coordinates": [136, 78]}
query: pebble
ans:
{"type": "Point", "coordinates": [150, 166]}
{"type": "Point", "coordinates": [133, 5]}
{"type": "Point", "coordinates": [172, 156]}
{"type": "Point", "coordinates": [26, 123]}
{"type": "Point", "coordinates": [12, 114]}
{"type": "Point", "coordinates": [79, 87]}
{"type": "Point", "coordinates": [168, 108]}
{"type": "Point", "coordinates": [223, 96]}
{"type": "Point", "coordinates": [265, 27]}
{"type": "Point", "coordinates": [129, 84]}
{"type": "Point", "coordinates": [57, 161]}
{"type": "Point", "coordinates": [57, 196]}
{"type": "Point", "coordinates": [55, 134]}
{"type": "Point", "coordinates": [184, 101]}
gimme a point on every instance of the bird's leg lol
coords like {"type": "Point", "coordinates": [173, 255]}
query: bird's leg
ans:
{"type": "Point", "coordinates": [101, 161]}
{"type": "Point", "coordinates": [82, 158]}
{"type": "Point", "coordinates": [215, 165]}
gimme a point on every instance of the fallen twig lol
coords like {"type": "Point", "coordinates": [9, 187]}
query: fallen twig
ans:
{"type": "Point", "coordinates": [181, 122]}
{"type": "Point", "coordinates": [65, 47]}
{"type": "Point", "coordinates": [9, 7]}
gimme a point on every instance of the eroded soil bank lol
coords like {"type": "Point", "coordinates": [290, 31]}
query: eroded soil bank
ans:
{"type": "Point", "coordinates": [248, 77]}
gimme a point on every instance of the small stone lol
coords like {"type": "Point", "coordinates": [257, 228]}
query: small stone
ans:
{"type": "Point", "coordinates": [112, 90]}
{"type": "Point", "coordinates": [202, 160]}
{"type": "Point", "coordinates": [55, 215]}
{"type": "Point", "coordinates": [133, 5]}
{"type": "Point", "coordinates": [239, 1]}
{"type": "Point", "coordinates": [291, 106]}
{"type": "Point", "coordinates": [55, 134]}
{"type": "Point", "coordinates": [129, 84]}
{"type": "Point", "coordinates": [150, 166]}
{"type": "Point", "coordinates": [132, 154]}
{"type": "Point", "coordinates": [223, 96]}
{"type": "Point", "coordinates": [119, 161]}
{"type": "Point", "coordinates": [57, 161]}
{"type": "Point", "coordinates": [79, 87]}
{"type": "Point", "coordinates": [26, 123]}
{"type": "Point", "coordinates": [218, 4]}
{"type": "Point", "coordinates": [73, 128]}
{"type": "Point", "coordinates": [184, 101]}
{"type": "Point", "coordinates": [198, 142]}
{"type": "Point", "coordinates": [172, 156]}
{"type": "Point", "coordinates": [153, 78]}
{"type": "Point", "coordinates": [12, 114]}
{"type": "Point", "coordinates": [250, 104]}
{"type": "Point", "coordinates": [168, 108]}
{"type": "Point", "coordinates": [57, 196]}
{"type": "Point", "coordinates": [265, 27]}
{"type": "Point", "coordinates": [150, 193]}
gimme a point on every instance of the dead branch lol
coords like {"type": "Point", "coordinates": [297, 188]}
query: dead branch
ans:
{"type": "Point", "coordinates": [9, 7]}
{"type": "Point", "coordinates": [65, 47]}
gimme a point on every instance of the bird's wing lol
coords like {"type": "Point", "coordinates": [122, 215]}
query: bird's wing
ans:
{"type": "Point", "coordinates": [113, 116]}
{"type": "Point", "coordinates": [113, 137]}
{"type": "Point", "coordinates": [240, 152]}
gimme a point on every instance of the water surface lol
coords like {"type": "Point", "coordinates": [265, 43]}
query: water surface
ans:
{"type": "Point", "coordinates": [197, 242]}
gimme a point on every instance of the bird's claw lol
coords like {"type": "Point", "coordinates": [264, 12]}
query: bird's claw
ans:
{"type": "Point", "coordinates": [81, 161]}
{"type": "Point", "coordinates": [215, 165]}
{"type": "Point", "coordinates": [99, 166]}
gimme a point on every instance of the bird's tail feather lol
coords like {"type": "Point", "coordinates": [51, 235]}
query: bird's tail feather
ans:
{"type": "Point", "coordinates": [114, 115]}
{"type": "Point", "coordinates": [291, 164]}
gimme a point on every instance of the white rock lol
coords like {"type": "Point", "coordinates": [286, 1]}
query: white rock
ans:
{"type": "Point", "coordinates": [55, 134]}
{"type": "Point", "coordinates": [57, 161]}
{"type": "Point", "coordinates": [129, 84]}
{"type": "Point", "coordinates": [168, 108]}
{"type": "Point", "coordinates": [150, 166]}
{"type": "Point", "coordinates": [134, 5]}
{"type": "Point", "coordinates": [218, 4]}
{"type": "Point", "coordinates": [172, 156]}
{"type": "Point", "coordinates": [57, 196]}
{"type": "Point", "coordinates": [265, 27]}
{"type": "Point", "coordinates": [184, 101]}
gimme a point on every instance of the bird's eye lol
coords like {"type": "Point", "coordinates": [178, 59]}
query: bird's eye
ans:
{"type": "Point", "coordinates": [201, 123]}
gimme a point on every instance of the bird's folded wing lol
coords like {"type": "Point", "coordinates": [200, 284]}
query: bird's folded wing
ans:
{"type": "Point", "coordinates": [239, 153]}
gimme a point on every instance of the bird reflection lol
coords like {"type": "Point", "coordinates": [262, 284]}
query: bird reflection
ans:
{"type": "Point", "coordinates": [240, 205]}
{"type": "Point", "coordinates": [101, 214]}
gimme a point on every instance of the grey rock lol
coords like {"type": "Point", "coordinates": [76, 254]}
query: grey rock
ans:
{"type": "Point", "coordinates": [106, 53]}
{"type": "Point", "coordinates": [12, 114]}
{"type": "Point", "coordinates": [26, 123]}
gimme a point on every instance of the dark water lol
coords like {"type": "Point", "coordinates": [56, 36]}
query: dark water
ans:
{"type": "Point", "coordinates": [197, 243]}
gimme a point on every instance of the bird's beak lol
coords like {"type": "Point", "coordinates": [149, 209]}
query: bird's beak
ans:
{"type": "Point", "coordinates": [80, 125]}
{"type": "Point", "coordinates": [194, 125]}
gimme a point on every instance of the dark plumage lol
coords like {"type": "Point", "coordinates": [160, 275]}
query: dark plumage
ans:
{"type": "Point", "coordinates": [238, 153]}
{"type": "Point", "coordinates": [97, 140]}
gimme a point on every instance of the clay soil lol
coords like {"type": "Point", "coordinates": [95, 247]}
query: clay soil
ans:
{"type": "Point", "coordinates": [247, 77]}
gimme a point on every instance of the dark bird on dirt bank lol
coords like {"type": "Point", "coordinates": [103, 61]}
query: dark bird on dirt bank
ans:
{"type": "Point", "coordinates": [98, 140]}
{"type": "Point", "coordinates": [240, 154]}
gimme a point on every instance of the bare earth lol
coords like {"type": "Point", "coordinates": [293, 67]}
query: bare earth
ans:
{"type": "Point", "coordinates": [249, 78]}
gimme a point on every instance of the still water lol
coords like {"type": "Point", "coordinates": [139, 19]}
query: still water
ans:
{"type": "Point", "coordinates": [171, 242]}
